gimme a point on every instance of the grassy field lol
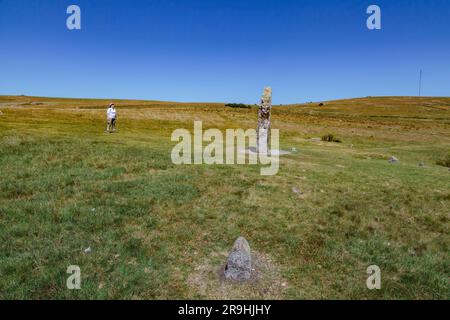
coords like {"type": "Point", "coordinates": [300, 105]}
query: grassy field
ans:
{"type": "Point", "coordinates": [161, 231]}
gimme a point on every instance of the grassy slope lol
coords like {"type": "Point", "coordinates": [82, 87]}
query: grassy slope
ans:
{"type": "Point", "coordinates": [154, 223]}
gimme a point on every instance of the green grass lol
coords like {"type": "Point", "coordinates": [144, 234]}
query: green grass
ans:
{"type": "Point", "coordinates": [154, 223]}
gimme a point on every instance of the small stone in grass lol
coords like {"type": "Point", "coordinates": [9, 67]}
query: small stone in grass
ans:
{"type": "Point", "coordinates": [393, 159]}
{"type": "Point", "coordinates": [296, 190]}
{"type": "Point", "coordinates": [239, 263]}
{"type": "Point", "coordinates": [88, 250]}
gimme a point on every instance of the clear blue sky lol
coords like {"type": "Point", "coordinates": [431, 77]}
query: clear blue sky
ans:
{"type": "Point", "coordinates": [224, 50]}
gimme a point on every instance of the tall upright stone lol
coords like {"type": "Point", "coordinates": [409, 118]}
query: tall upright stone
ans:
{"type": "Point", "coordinates": [263, 129]}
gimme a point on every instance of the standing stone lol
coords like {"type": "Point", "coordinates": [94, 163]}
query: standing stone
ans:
{"type": "Point", "coordinates": [239, 264]}
{"type": "Point", "coordinates": [263, 129]}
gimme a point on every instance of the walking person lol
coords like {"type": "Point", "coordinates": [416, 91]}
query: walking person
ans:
{"type": "Point", "coordinates": [111, 116]}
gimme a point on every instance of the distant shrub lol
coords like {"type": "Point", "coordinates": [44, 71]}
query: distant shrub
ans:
{"type": "Point", "coordinates": [321, 104]}
{"type": "Point", "coordinates": [238, 105]}
{"type": "Point", "coordinates": [445, 162]}
{"type": "Point", "coordinates": [330, 138]}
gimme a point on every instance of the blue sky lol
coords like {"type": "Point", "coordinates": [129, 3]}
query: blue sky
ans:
{"type": "Point", "coordinates": [224, 50]}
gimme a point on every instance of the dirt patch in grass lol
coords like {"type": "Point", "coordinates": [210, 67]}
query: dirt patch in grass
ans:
{"type": "Point", "coordinates": [371, 155]}
{"type": "Point", "coordinates": [207, 280]}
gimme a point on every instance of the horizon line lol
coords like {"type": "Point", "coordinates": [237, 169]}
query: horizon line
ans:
{"type": "Point", "coordinates": [217, 102]}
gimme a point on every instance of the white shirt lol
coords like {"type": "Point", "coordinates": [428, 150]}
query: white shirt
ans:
{"type": "Point", "coordinates": [111, 113]}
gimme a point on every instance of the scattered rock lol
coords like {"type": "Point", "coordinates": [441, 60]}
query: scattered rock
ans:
{"type": "Point", "coordinates": [239, 263]}
{"type": "Point", "coordinates": [296, 190]}
{"type": "Point", "coordinates": [300, 194]}
{"type": "Point", "coordinates": [421, 164]}
{"type": "Point", "coordinates": [93, 210]}
{"type": "Point", "coordinates": [294, 149]}
{"type": "Point", "coordinates": [393, 159]}
{"type": "Point", "coordinates": [316, 139]}
{"type": "Point", "coordinates": [88, 250]}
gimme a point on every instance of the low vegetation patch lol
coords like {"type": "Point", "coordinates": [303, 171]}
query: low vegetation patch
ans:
{"type": "Point", "coordinates": [330, 138]}
{"type": "Point", "coordinates": [445, 162]}
{"type": "Point", "coordinates": [238, 105]}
